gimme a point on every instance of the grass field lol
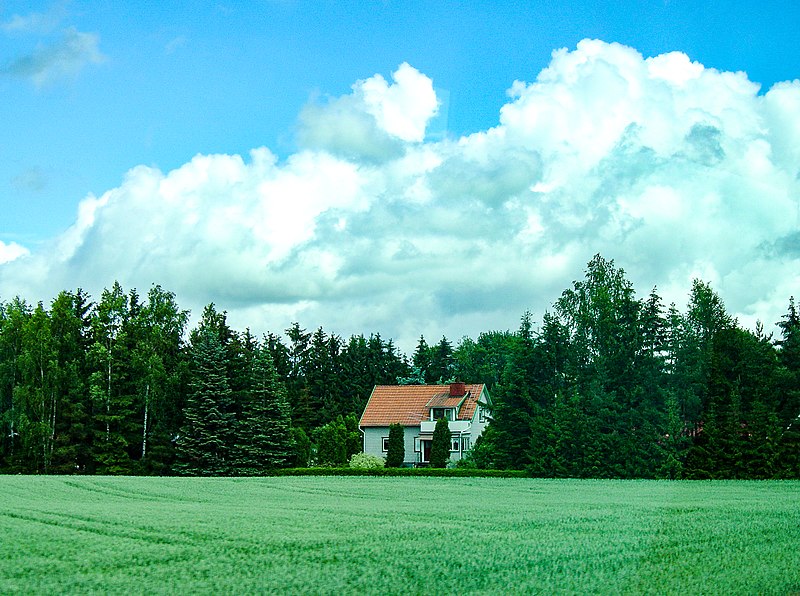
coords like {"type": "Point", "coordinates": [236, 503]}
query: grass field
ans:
{"type": "Point", "coordinates": [396, 535]}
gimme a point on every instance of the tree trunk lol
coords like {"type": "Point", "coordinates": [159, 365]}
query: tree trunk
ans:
{"type": "Point", "coordinates": [144, 424]}
{"type": "Point", "coordinates": [108, 398]}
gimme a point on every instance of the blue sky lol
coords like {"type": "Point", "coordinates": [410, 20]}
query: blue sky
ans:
{"type": "Point", "coordinates": [176, 79]}
{"type": "Point", "coordinates": [91, 90]}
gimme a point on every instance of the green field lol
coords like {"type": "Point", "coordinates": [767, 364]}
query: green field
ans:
{"type": "Point", "coordinates": [396, 535]}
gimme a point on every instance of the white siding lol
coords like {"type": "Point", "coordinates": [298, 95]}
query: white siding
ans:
{"type": "Point", "coordinates": [477, 426]}
{"type": "Point", "coordinates": [373, 442]}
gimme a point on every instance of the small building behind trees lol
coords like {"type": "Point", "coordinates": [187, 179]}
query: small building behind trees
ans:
{"type": "Point", "coordinates": [416, 408]}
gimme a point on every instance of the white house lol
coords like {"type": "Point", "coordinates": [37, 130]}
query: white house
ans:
{"type": "Point", "coordinates": [416, 408]}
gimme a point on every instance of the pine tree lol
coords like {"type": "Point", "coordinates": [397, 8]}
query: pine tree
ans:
{"type": "Point", "coordinates": [421, 360]}
{"type": "Point", "coordinates": [204, 444]}
{"type": "Point", "coordinates": [264, 439]}
{"type": "Point", "coordinates": [70, 324]}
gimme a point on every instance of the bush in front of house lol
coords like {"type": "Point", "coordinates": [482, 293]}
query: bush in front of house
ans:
{"type": "Point", "coordinates": [440, 445]}
{"type": "Point", "coordinates": [396, 453]}
{"type": "Point", "coordinates": [365, 461]}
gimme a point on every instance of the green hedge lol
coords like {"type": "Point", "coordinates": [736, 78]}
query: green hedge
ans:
{"type": "Point", "coordinates": [449, 472]}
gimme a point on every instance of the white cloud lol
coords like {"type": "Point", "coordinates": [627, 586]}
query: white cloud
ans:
{"type": "Point", "coordinates": [64, 58]}
{"type": "Point", "coordinates": [670, 168]}
{"type": "Point", "coordinates": [11, 251]}
{"type": "Point", "coordinates": [374, 121]}
{"type": "Point", "coordinates": [404, 108]}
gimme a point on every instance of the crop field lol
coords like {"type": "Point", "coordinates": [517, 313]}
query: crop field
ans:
{"type": "Point", "coordinates": [396, 535]}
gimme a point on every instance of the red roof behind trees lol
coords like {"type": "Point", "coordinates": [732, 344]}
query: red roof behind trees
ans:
{"type": "Point", "coordinates": [410, 404]}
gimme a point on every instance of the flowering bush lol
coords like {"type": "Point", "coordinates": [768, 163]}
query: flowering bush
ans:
{"type": "Point", "coordinates": [365, 461]}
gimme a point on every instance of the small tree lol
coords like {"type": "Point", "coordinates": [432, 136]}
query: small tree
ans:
{"type": "Point", "coordinates": [353, 435]}
{"type": "Point", "coordinates": [440, 447]}
{"type": "Point", "coordinates": [302, 448]}
{"type": "Point", "coordinates": [332, 443]}
{"type": "Point", "coordinates": [397, 450]}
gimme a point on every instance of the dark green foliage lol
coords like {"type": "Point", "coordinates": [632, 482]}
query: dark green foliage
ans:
{"type": "Point", "coordinates": [458, 472]}
{"type": "Point", "coordinates": [301, 448]}
{"type": "Point", "coordinates": [606, 385]}
{"type": "Point", "coordinates": [421, 360]}
{"type": "Point", "coordinates": [440, 445]}
{"type": "Point", "coordinates": [204, 446]}
{"type": "Point", "coordinates": [353, 440]}
{"type": "Point", "coordinates": [263, 437]}
{"type": "Point", "coordinates": [397, 451]}
{"type": "Point", "coordinates": [331, 440]}
{"type": "Point", "coordinates": [442, 364]}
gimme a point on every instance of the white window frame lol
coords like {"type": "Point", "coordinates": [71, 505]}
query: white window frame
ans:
{"type": "Point", "coordinates": [385, 443]}
{"type": "Point", "coordinates": [455, 442]}
{"type": "Point", "coordinates": [447, 413]}
{"type": "Point", "coordinates": [417, 445]}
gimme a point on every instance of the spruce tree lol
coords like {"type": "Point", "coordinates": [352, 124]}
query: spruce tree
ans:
{"type": "Point", "coordinates": [203, 447]}
{"type": "Point", "coordinates": [264, 439]}
{"type": "Point", "coordinates": [397, 451]}
{"type": "Point", "coordinates": [440, 447]}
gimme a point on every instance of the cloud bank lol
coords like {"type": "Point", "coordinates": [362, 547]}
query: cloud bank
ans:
{"type": "Point", "coordinates": [672, 169]}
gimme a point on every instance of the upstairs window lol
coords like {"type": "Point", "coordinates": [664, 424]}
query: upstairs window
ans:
{"type": "Point", "coordinates": [446, 413]}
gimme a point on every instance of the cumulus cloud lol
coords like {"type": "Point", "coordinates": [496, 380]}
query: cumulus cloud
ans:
{"type": "Point", "coordinates": [11, 251]}
{"type": "Point", "coordinates": [673, 169]}
{"type": "Point", "coordinates": [63, 58]}
{"type": "Point", "coordinates": [374, 122]}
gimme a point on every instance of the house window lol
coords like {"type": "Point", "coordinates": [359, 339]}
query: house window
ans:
{"type": "Point", "coordinates": [455, 444]}
{"type": "Point", "coordinates": [464, 443]}
{"type": "Point", "coordinates": [481, 414]}
{"type": "Point", "coordinates": [446, 413]}
{"type": "Point", "coordinates": [386, 443]}
{"type": "Point", "coordinates": [416, 444]}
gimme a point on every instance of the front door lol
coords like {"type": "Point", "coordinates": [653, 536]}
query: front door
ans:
{"type": "Point", "coordinates": [426, 451]}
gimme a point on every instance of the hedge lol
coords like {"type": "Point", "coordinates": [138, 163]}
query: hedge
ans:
{"type": "Point", "coordinates": [447, 472]}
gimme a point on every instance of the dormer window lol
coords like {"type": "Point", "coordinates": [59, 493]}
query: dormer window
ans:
{"type": "Point", "coordinates": [446, 413]}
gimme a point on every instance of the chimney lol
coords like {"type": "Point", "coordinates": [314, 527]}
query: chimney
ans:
{"type": "Point", "coordinates": [458, 389]}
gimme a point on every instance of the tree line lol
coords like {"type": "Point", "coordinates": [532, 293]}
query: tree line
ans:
{"type": "Point", "coordinates": [606, 385]}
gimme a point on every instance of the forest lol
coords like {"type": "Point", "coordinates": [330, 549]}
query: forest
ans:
{"type": "Point", "coordinates": [606, 385]}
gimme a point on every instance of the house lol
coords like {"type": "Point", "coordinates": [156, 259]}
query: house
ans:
{"type": "Point", "coordinates": [417, 408]}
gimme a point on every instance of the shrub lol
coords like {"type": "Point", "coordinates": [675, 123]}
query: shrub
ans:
{"type": "Point", "coordinates": [397, 451]}
{"type": "Point", "coordinates": [365, 461]}
{"type": "Point", "coordinates": [332, 443]}
{"type": "Point", "coordinates": [440, 445]}
{"type": "Point", "coordinates": [302, 447]}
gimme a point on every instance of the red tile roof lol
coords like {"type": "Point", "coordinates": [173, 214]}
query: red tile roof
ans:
{"type": "Point", "coordinates": [410, 404]}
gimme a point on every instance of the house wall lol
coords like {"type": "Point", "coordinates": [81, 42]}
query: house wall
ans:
{"type": "Point", "coordinates": [373, 442]}
{"type": "Point", "coordinates": [478, 427]}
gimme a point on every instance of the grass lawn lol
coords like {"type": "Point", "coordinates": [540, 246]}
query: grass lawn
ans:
{"type": "Point", "coordinates": [397, 535]}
